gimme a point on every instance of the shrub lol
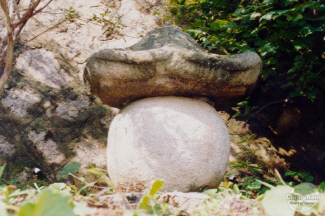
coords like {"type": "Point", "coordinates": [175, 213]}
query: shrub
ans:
{"type": "Point", "coordinates": [289, 35]}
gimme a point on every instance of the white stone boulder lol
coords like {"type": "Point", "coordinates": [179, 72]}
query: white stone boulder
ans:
{"type": "Point", "coordinates": [180, 140]}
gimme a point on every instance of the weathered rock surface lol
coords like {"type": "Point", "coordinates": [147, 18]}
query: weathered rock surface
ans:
{"type": "Point", "coordinates": [47, 116]}
{"type": "Point", "coordinates": [168, 62]}
{"type": "Point", "coordinates": [180, 140]}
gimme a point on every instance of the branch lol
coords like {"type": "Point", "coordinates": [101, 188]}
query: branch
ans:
{"type": "Point", "coordinates": [39, 10]}
{"type": "Point", "coordinates": [21, 25]}
{"type": "Point", "coordinates": [29, 13]}
{"type": "Point", "coordinates": [8, 41]}
{"type": "Point", "coordinates": [10, 45]}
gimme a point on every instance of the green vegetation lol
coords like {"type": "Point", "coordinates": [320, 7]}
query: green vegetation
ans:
{"type": "Point", "coordinates": [69, 168]}
{"type": "Point", "coordinates": [289, 35]}
{"type": "Point", "coordinates": [254, 195]}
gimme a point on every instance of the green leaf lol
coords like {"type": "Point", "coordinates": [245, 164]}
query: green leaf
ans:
{"type": "Point", "coordinates": [156, 186]}
{"type": "Point", "coordinates": [197, 23]}
{"type": "Point", "coordinates": [254, 15]}
{"type": "Point", "coordinates": [72, 168]}
{"type": "Point", "coordinates": [242, 141]}
{"type": "Point", "coordinates": [321, 187]}
{"type": "Point", "coordinates": [309, 179]}
{"type": "Point", "coordinates": [255, 170]}
{"type": "Point", "coordinates": [211, 192]}
{"type": "Point", "coordinates": [251, 137]}
{"type": "Point", "coordinates": [236, 114]}
{"type": "Point", "coordinates": [287, 2]}
{"type": "Point", "coordinates": [254, 185]}
{"type": "Point", "coordinates": [289, 17]}
{"type": "Point", "coordinates": [49, 203]}
{"type": "Point", "coordinates": [248, 178]}
{"type": "Point", "coordinates": [291, 173]}
{"type": "Point", "coordinates": [296, 93]}
{"type": "Point", "coordinates": [218, 24]}
{"type": "Point", "coordinates": [267, 16]}
{"type": "Point", "coordinates": [26, 209]}
{"type": "Point", "coordinates": [304, 189]}
{"type": "Point", "coordinates": [157, 208]}
{"type": "Point", "coordinates": [307, 30]}
{"type": "Point", "coordinates": [195, 31]}
{"type": "Point", "coordinates": [236, 189]}
{"type": "Point", "coordinates": [144, 204]}
{"type": "Point", "coordinates": [2, 168]}
{"type": "Point", "coordinates": [298, 17]}
{"type": "Point", "coordinates": [60, 187]}
{"type": "Point", "coordinates": [269, 1]}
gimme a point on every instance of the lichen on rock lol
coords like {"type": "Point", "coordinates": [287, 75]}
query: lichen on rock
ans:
{"type": "Point", "coordinates": [168, 62]}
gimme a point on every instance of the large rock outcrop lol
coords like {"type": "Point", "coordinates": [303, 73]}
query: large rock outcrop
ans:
{"type": "Point", "coordinates": [48, 118]}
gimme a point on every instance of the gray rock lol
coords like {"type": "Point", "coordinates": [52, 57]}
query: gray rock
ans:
{"type": "Point", "coordinates": [47, 117]}
{"type": "Point", "coordinates": [182, 141]}
{"type": "Point", "coordinates": [168, 62]}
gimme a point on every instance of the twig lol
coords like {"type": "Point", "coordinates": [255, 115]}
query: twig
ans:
{"type": "Point", "coordinates": [267, 105]}
{"type": "Point", "coordinates": [83, 181]}
{"type": "Point", "coordinates": [278, 174]}
{"type": "Point", "coordinates": [46, 31]}
{"type": "Point", "coordinates": [39, 10]}
{"type": "Point", "coordinates": [37, 188]}
{"type": "Point", "coordinates": [8, 40]}
{"type": "Point", "coordinates": [28, 14]}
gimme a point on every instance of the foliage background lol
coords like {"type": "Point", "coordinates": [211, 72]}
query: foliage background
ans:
{"type": "Point", "coordinates": [288, 34]}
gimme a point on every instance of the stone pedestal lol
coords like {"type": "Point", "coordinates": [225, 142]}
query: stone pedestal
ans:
{"type": "Point", "coordinates": [182, 141]}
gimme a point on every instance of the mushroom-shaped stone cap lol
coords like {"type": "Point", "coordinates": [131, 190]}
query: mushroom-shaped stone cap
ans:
{"type": "Point", "coordinates": [168, 62]}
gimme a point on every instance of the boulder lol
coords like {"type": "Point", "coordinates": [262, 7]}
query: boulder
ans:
{"type": "Point", "coordinates": [180, 140]}
{"type": "Point", "coordinates": [168, 62]}
{"type": "Point", "coordinates": [47, 116]}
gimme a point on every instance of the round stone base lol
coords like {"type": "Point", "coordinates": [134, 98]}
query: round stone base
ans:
{"type": "Point", "coordinates": [182, 141]}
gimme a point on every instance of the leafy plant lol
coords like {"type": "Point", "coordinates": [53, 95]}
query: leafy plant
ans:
{"type": "Point", "coordinates": [149, 200]}
{"type": "Point", "coordinates": [288, 35]}
{"type": "Point", "coordinates": [321, 187]}
{"type": "Point", "coordinates": [71, 168]}
{"type": "Point", "coordinates": [300, 176]}
{"type": "Point", "coordinates": [276, 202]}
{"type": "Point", "coordinates": [243, 108]}
{"type": "Point", "coordinates": [47, 199]}
{"type": "Point", "coordinates": [111, 21]}
{"type": "Point", "coordinates": [71, 14]}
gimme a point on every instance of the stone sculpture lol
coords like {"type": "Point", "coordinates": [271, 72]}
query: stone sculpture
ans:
{"type": "Point", "coordinates": [168, 62]}
{"type": "Point", "coordinates": [165, 133]}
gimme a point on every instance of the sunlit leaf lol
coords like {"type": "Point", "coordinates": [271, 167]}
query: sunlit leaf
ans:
{"type": "Point", "coordinates": [156, 186]}
{"type": "Point", "coordinates": [210, 192]}
{"type": "Point", "coordinates": [218, 24]}
{"type": "Point", "coordinates": [144, 204]}
{"type": "Point", "coordinates": [321, 187]}
{"type": "Point", "coordinates": [49, 203]}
